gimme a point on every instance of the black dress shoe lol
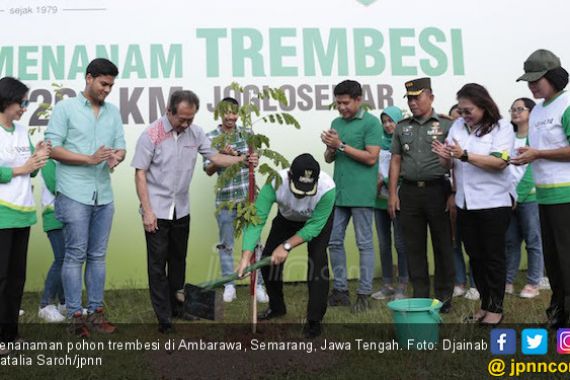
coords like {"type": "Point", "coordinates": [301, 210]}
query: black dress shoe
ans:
{"type": "Point", "coordinates": [270, 314]}
{"type": "Point", "coordinates": [178, 310]}
{"type": "Point", "coordinates": [189, 317]}
{"type": "Point", "coordinates": [312, 329]}
{"type": "Point", "coordinates": [446, 307]}
{"type": "Point", "coordinates": [165, 328]}
{"type": "Point", "coordinates": [557, 321]}
{"type": "Point", "coordinates": [491, 324]}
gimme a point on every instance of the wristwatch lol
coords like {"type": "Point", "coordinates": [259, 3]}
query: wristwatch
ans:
{"type": "Point", "coordinates": [341, 146]}
{"type": "Point", "coordinates": [287, 246]}
{"type": "Point", "coordinates": [465, 156]}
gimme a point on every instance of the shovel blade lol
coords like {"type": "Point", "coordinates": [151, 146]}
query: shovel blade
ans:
{"type": "Point", "coordinates": [202, 303]}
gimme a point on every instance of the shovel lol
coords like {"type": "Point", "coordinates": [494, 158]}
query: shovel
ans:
{"type": "Point", "coordinates": [203, 301]}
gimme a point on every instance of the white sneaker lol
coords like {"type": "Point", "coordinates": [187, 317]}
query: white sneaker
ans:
{"type": "Point", "coordinates": [529, 291]}
{"type": "Point", "coordinates": [50, 314]}
{"type": "Point", "coordinates": [383, 293]}
{"type": "Point", "coordinates": [261, 294]}
{"type": "Point", "coordinates": [544, 284]}
{"type": "Point", "coordinates": [229, 293]}
{"type": "Point", "coordinates": [62, 309]}
{"type": "Point", "coordinates": [472, 294]}
{"type": "Point", "coordinates": [458, 291]}
{"type": "Point", "coordinates": [399, 294]}
{"type": "Point", "coordinates": [509, 289]}
{"type": "Point", "coordinates": [21, 312]}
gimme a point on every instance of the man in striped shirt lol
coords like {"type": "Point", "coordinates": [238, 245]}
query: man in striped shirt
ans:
{"type": "Point", "coordinates": [234, 191]}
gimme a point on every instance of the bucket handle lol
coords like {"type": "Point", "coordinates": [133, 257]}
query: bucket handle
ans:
{"type": "Point", "coordinates": [435, 315]}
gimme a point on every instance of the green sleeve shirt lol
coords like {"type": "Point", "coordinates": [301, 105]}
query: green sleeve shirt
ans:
{"type": "Point", "coordinates": [312, 227]}
{"type": "Point", "coordinates": [49, 220]}
{"type": "Point", "coordinates": [355, 181]}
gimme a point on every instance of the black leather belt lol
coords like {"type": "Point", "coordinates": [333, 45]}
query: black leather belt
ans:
{"type": "Point", "coordinates": [433, 182]}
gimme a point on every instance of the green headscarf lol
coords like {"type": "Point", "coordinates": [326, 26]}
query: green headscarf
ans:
{"type": "Point", "coordinates": [395, 114]}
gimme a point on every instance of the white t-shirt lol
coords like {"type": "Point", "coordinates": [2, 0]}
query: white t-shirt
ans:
{"type": "Point", "coordinates": [384, 170]}
{"type": "Point", "coordinates": [480, 188]}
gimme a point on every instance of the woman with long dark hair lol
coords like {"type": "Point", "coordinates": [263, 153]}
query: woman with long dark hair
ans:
{"type": "Point", "coordinates": [478, 148]}
{"type": "Point", "coordinates": [549, 153]}
{"type": "Point", "coordinates": [18, 162]}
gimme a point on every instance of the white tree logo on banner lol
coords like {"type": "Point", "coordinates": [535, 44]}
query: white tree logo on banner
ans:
{"type": "Point", "coordinates": [366, 2]}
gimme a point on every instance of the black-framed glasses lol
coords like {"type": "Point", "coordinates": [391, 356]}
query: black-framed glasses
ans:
{"type": "Point", "coordinates": [518, 109]}
{"type": "Point", "coordinates": [25, 103]}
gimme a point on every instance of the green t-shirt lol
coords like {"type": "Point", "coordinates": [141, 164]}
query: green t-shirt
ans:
{"type": "Point", "coordinates": [355, 181]}
{"type": "Point", "coordinates": [381, 203]}
{"type": "Point", "coordinates": [48, 215]}
{"type": "Point", "coordinates": [526, 191]}
{"type": "Point", "coordinates": [522, 175]}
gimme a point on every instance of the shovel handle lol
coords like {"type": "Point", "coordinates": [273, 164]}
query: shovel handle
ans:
{"type": "Point", "coordinates": [234, 276]}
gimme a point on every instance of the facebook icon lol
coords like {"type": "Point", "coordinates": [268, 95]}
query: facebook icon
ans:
{"type": "Point", "coordinates": [503, 342]}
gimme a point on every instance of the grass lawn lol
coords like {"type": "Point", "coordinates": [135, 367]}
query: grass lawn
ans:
{"type": "Point", "coordinates": [131, 309]}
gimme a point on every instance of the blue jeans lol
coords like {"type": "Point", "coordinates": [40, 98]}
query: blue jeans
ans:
{"type": "Point", "coordinates": [525, 224]}
{"type": "Point", "coordinates": [225, 247]}
{"type": "Point", "coordinates": [362, 220]}
{"type": "Point", "coordinates": [460, 268]}
{"type": "Point", "coordinates": [384, 231]}
{"type": "Point", "coordinates": [86, 229]}
{"type": "Point", "coordinates": [53, 288]}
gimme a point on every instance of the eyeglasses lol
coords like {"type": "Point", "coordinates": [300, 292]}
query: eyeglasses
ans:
{"type": "Point", "coordinates": [518, 109]}
{"type": "Point", "coordinates": [25, 103]}
{"type": "Point", "coordinates": [464, 111]}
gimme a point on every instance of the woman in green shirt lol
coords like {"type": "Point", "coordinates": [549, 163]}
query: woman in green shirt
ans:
{"type": "Point", "coordinates": [18, 163]}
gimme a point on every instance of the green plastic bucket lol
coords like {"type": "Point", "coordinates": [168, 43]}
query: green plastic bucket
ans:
{"type": "Point", "coordinates": [416, 322]}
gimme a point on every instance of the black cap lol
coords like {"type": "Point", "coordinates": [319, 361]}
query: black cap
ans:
{"type": "Point", "coordinates": [415, 87]}
{"type": "Point", "coordinates": [304, 175]}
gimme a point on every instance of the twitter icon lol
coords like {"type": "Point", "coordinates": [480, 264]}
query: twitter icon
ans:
{"type": "Point", "coordinates": [534, 341]}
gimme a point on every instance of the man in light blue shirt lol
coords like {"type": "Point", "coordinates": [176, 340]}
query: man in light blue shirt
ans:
{"type": "Point", "coordinates": [88, 142]}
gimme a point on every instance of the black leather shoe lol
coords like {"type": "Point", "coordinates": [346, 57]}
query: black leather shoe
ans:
{"type": "Point", "coordinates": [446, 307]}
{"type": "Point", "coordinates": [270, 314]}
{"type": "Point", "coordinates": [557, 321]}
{"type": "Point", "coordinates": [312, 329]}
{"type": "Point", "coordinates": [165, 328]}
{"type": "Point", "coordinates": [177, 310]}
{"type": "Point", "coordinates": [491, 324]}
{"type": "Point", "coordinates": [189, 317]}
